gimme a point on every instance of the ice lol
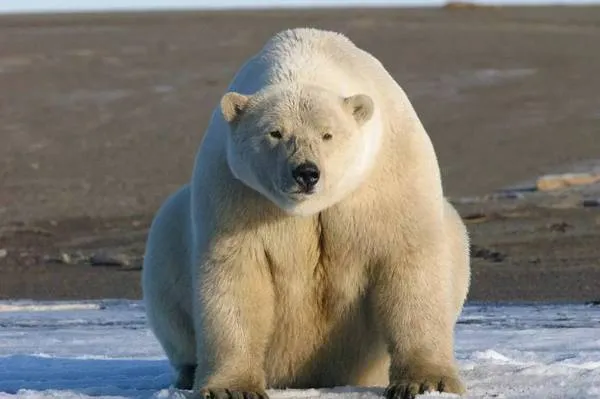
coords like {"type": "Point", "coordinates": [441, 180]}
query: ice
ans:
{"type": "Point", "coordinates": [103, 349]}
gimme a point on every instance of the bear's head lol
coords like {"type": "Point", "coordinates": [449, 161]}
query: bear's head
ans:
{"type": "Point", "coordinates": [303, 147]}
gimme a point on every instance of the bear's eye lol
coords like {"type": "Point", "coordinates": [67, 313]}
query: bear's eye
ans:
{"type": "Point", "coordinates": [276, 134]}
{"type": "Point", "coordinates": [327, 136]}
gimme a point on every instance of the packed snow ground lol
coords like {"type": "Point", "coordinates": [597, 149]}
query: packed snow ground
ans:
{"type": "Point", "coordinates": [103, 349]}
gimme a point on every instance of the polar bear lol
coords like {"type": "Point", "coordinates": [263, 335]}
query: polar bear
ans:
{"type": "Point", "coordinates": [313, 246]}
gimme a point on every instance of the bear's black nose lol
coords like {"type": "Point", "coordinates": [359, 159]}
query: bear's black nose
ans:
{"type": "Point", "coordinates": [306, 175]}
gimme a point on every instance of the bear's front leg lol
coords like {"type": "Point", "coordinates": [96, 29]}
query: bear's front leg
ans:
{"type": "Point", "coordinates": [234, 317]}
{"type": "Point", "coordinates": [412, 300]}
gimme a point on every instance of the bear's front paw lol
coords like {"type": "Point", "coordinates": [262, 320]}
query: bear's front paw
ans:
{"type": "Point", "coordinates": [408, 389]}
{"type": "Point", "coordinates": [218, 393]}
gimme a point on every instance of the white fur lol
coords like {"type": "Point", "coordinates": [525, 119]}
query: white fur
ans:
{"type": "Point", "coordinates": [370, 145]}
{"type": "Point", "coordinates": [364, 289]}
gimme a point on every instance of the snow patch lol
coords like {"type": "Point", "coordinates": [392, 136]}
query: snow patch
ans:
{"type": "Point", "coordinates": [41, 307]}
{"type": "Point", "coordinates": [492, 355]}
{"type": "Point", "coordinates": [104, 349]}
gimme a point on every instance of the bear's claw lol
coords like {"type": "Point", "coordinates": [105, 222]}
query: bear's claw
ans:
{"type": "Point", "coordinates": [410, 389]}
{"type": "Point", "coordinates": [229, 394]}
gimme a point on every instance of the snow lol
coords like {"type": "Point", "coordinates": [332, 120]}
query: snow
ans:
{"type": "Point", "coordinates": [103, 349]}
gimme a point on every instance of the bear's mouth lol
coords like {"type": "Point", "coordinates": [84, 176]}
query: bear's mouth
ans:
{"type": "Point", "coordinates": [304, 191]}
{"type": "Point", "coordinates": [299, 194]}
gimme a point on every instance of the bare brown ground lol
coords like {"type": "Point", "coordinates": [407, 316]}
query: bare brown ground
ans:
{"type": "Point", "coordinates": [101, 115]}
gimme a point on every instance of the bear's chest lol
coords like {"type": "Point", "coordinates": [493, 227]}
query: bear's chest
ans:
{"type": "Point", "coordinates": [317, 261]}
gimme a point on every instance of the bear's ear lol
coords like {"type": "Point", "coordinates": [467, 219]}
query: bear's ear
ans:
{"type": "Point", "coordinates": [233, 105]}
{"type": "Point", "coordinates": [360, 106]}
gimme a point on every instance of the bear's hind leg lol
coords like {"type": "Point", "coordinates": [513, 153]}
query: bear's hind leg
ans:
{"type": "Point", "coordinates": [185, 376]}
{"type": "Point", "coordinates": [166, 285]}
{"type": "Point", "coordinates": [458, 238]}
{"type": "Point", "coordinates": [176, 335]}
